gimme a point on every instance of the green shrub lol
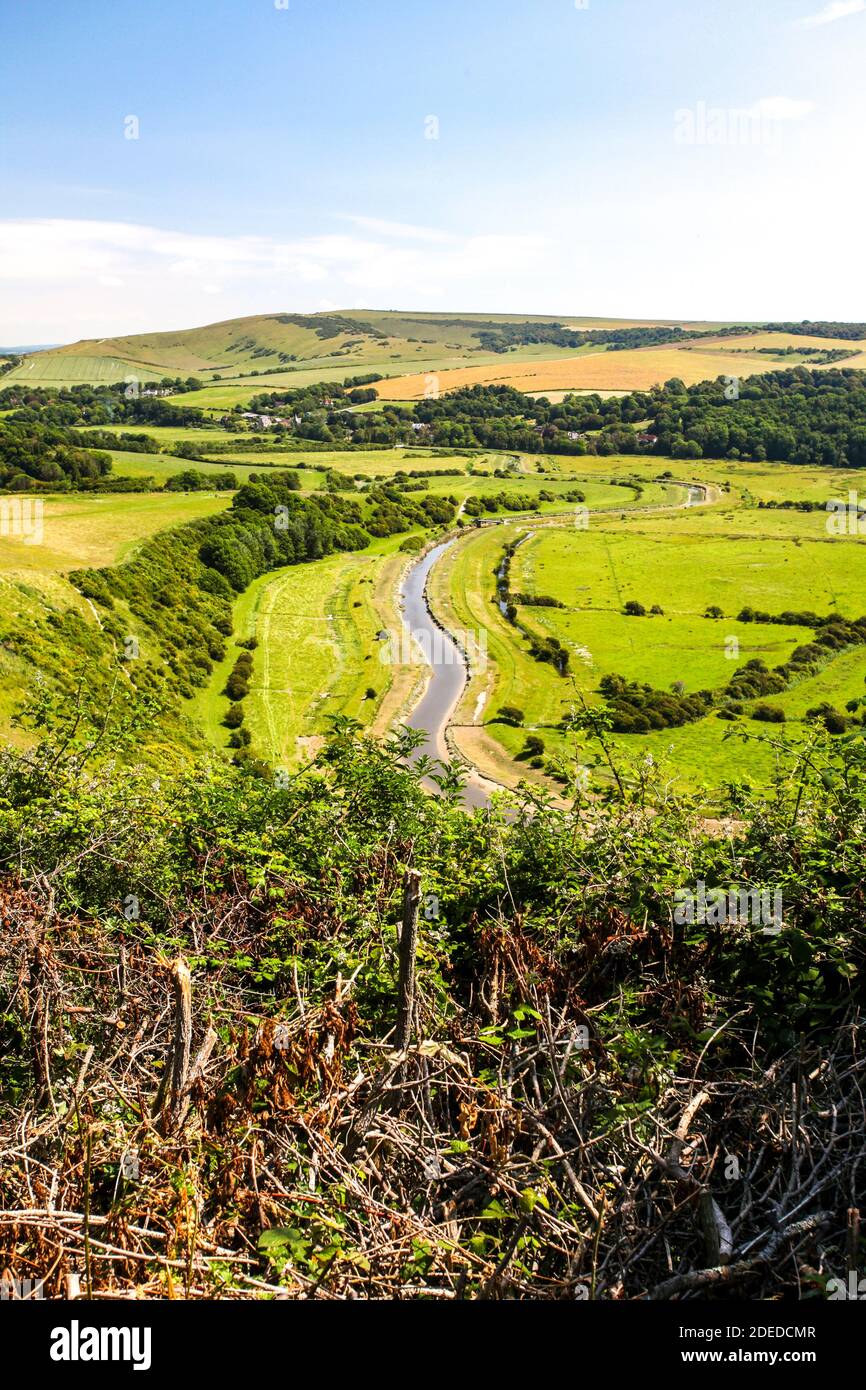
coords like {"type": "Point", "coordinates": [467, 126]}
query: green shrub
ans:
{"type": "Point", "coordinates": [234, 716]}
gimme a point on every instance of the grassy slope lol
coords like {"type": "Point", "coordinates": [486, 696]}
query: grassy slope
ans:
{"type": "Point", "coordinates": [385, 342]}
{"type": "Point", "coordinates": [37, 600]}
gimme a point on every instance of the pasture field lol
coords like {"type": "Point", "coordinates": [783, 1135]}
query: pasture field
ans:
{"type": "Point", "coordinates": [599, 494]}
{"type": "Point", "coordinates": [740, 482]}
{"type": "Point", "coordinates": [81, 530]}
{"type": "Point", "coordinates": [160, 467]}
{"type": "Point", "coordinates": [167, 435]}
{"type": "Point", "coordinates": [364, 467]}
{"type": "Point", "coordinates": [361, 463]}
{"type": "Point", "coordinates": [318, 654]}
{"type": "Point", "coordinates": [683, 561]}
{"type": "Point", "coordinates": [70, 369]}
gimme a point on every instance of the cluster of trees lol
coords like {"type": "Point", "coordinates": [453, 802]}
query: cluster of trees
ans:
{"type": "Point", "coordinates": [538, 601]}
{"type": "Point", "coordinates": [833, 720]}
{"type": "Point", "coordinates": [822, 328]}
{"type": "Point", "coordinates": [815, 354]}
{"type": "Point", "coordinates": [755, 679]}
{"type": "Point", "coordinates": [129, 443]}
{"type": "Point", "coordinates": [550, 649]}
{"type": "Point", "coordinates": [392, 511]}
{"type": "Point", "coordinates": [634, 609]}
{"type": "Point", "coordinates": [503, 337]}
{"type": "Point", "coordinates": [268, 526]}
{"type": "Point", "coordinates": [798, 416]}
{"type": "Point", "coordinates": [636, 708]}
{"type": "Point", "coordinates": [752, 679]}
{"type": "Point", "coordinates": [34, 455]}
{"type": "Point", "coordinates": [790, 504]}
{"type": "Point", "coordinates": [237, 688]}
{"type": "Point", "coordinates": [100, 405]}
{"type": "Point", "coordinates": [192, 480]}
{"type": "Point", "coordinates": [496, 337]}
{"type": "Point", "coordinates": [516, 501]}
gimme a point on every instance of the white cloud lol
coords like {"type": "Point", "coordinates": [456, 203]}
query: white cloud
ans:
{"type": "Point", "coordinates": [781, 108]}
{"type": "Point", "coordinates": [60, 276]}
{"type": "Point", "coordinates": [838, 9]}
{"type": "Point", "coordinates": [404, 230]}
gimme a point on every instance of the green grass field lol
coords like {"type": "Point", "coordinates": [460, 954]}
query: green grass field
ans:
{"type": "Point", "coordinates": [317, 657]}
{"type": "Point", "coordinates": [365, 466]}
{"type": "Point", "coordinates": [80, 530]}
{"type": "Point", "coordinates": [684, 561]}
{"type": "Point", "coordinates": [57, 369]}
{"type": "Point", "coordinates": [160, 467]}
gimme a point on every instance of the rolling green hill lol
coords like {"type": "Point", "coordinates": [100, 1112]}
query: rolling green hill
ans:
{"type": "Point", "coordinates": [332, 345]}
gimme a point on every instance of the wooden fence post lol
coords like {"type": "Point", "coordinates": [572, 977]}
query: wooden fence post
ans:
{"type": "Point", "coordinates": [408, 950]}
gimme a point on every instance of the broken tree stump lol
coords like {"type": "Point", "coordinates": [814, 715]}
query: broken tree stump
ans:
{"type": "Point", "coordinates": [173, 1086]}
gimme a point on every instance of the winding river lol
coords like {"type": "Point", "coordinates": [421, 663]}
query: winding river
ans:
{"type": "Point", "coordinates": [448, 663]}
{"type": "Point", "coordinates": [448, 670]}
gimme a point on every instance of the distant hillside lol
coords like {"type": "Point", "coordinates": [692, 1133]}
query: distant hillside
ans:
{"type": "Point", "coordinates": [392, 343]}
{"type": "Point", "coordinates": [239, 358]}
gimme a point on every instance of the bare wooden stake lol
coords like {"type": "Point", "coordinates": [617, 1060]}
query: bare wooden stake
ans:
{"type": "Point", "coordinates": [170, 1096]}
{"type": "Point", "coordinates": [180, 978]}
{"type": "Point", "coordinates": [408, 951]}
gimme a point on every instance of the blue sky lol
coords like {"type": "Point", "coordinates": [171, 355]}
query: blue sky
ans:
{"type": "Point", "coordinates": [682, 158]}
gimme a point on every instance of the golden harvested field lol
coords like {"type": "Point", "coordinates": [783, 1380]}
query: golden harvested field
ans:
{"type": "Point", "coordinates": [856, 364]}
{"type": "Point", "coordinates": [785, 340]}
{"type": "Point", "coordinates": [632, 370]}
